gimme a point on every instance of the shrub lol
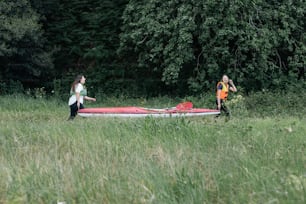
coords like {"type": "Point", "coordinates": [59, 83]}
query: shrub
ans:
{"type": "Point", "coordinates": [11, 87]}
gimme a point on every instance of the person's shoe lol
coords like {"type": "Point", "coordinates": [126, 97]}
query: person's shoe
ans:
{"type": "Point", "coordinates": [70, 118]}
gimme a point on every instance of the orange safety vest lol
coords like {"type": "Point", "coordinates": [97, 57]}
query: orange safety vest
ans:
{"type": "Point", "coordinates": [224, 91]}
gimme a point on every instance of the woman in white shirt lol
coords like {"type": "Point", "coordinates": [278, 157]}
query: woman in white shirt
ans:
{"type": "Point", "coordinates": [77, 95]}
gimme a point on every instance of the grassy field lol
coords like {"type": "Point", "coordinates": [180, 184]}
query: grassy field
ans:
{"type": "Point", "coordinates": [259, 156]}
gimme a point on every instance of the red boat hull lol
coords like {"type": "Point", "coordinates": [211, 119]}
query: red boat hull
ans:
{"type": "Point", "coordinates": [143, 112]}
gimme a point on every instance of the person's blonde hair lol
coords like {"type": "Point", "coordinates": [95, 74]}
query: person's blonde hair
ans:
{"type": "Point", "coordinates": [224, 76]}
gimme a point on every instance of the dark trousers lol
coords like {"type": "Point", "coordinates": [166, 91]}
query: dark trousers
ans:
{"type": "Point", "coordinates": [223, 109]}
{"type": "Point", "coordinates": [74, 109]}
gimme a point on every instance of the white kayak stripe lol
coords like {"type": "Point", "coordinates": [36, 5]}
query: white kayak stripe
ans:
{"type": "Point", "coordinates": [139, 115]}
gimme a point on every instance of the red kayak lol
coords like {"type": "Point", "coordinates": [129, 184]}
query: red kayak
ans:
{"type": "Point", "coordinates": [182, 109]}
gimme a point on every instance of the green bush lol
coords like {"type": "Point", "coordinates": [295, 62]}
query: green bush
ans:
{"type": "Point", "coordinates": [11, 87]}
{"type": "Point", "coordinates": [270, 104]}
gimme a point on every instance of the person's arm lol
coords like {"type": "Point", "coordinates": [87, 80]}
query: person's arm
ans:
{"type": "Point", "coordinates": [77, 91]}
{"type": "Point", "coordinates": [77, 95]}
{"type": "Point", "coordinates": [232, 86]}
{"type": "Point", "coordinates": [89, 98]}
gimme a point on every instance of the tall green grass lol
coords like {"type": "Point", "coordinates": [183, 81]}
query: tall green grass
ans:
{"type": "Point", "coordinates": [253, 158]}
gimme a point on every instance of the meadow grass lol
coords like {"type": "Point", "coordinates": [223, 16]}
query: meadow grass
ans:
{"type": "Point", "coordinates": [46, 159]}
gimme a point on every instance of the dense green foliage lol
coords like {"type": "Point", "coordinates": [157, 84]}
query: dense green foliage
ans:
{"type": "Point", "coordinates": [86, 37]}
{"type": "Point", "coordinates": [23, 55]}
{"type": "Point", "coordinates": [261, 44]}
{"type": "Point", "coordinates": [253, 158]}
{"type": "Point", "coordinates": [153, 47]}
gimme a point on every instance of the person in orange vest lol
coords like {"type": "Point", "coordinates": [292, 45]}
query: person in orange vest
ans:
{"type": "Point", "coordinates": [223, 87]}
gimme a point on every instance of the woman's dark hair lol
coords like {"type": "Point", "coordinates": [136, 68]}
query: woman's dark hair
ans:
{"type": "Point", "coordinates": [76, 81]}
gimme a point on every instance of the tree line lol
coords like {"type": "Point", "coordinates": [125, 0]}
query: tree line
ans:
{"type": "Point", "coordinates": [153, 47]}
